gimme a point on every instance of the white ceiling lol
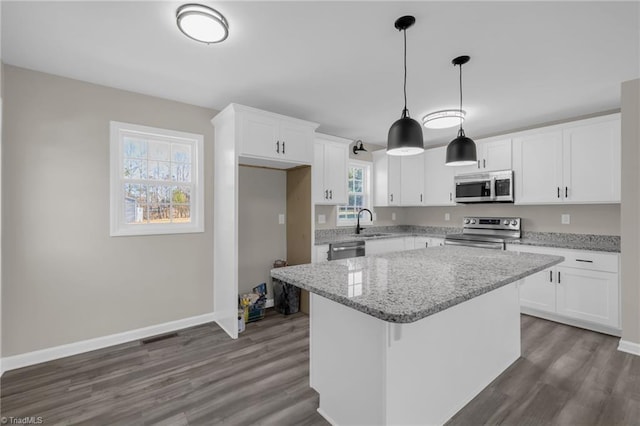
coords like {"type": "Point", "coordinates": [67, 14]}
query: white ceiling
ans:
{"type": "Point", "coordinates": [340, 63]}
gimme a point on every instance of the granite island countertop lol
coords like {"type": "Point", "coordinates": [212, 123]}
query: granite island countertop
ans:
{"type": "Point", "coordinates": [406, 286]}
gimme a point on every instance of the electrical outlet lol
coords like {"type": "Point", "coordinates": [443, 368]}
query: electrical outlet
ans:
{"type": "Point", "coordinates": [281, 219]}
{"type": "Point", "coordinates": [447, 216]}
{"type": "Point", "coordinates": [322, 219]}
{"type": "Point", "coordinates": [393, 216]}
{"type": "Point", "coordinates": [566, 219]}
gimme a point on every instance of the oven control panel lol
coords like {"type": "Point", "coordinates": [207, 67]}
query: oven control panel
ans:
{"type": "Point", "coordinates": [505, 223]}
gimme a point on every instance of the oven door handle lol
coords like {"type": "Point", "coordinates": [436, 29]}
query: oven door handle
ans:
{"type": "Point", "coordinates": [479, 244]}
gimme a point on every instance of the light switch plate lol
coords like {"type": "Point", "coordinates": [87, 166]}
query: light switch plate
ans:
{"type": "Point", "coordinates": [566, 219]}
{"type": "Point", "coordinates": [322, 219]}
{"type": "Point", "coordinates": [447, 216]}
{"type": "Point", "coordinates": [281, 219]}
{"type": "Point", "coordinates": [393, 216]}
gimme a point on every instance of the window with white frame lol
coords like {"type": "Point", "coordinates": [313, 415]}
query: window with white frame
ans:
{"type": "Point", "coordinates": [156, 181]}
{"type": "Point", "coordinates": [359, 194]}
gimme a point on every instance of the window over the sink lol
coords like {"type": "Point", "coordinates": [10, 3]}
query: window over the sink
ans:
{"type": "Point", "coordinates": [359, 194]}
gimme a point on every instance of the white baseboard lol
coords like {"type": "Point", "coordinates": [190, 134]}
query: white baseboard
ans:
{"type": "Point", "coordinates": [56, 352]}
{"type": "Point", "coordinates": [629, 347]}
{"type": "Point", "coordinates": [326, 417]}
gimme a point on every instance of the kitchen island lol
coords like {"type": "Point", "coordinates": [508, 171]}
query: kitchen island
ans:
{"type": "Point", "coordinates": [411, 337]}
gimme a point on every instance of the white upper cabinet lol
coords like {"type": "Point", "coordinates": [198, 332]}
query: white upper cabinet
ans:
{"type": "Point", "coordinates": [412, 180]}
{"type": "Point", "coordinates": [272, 136]}
{"type": "Point", "coordinates": [330, 163]}
{"type": "Point", "coordinates": [386, 179]}
{"type": "Point", "coordinates": [591, 153]}
{"type": "Point", "coordinates": [439, 189]}
{"type": "Point", "coordinates": [537, 166]}
{"type": "Point", "coordinates": [577, 162]}
{"type": "Point", "coordinates": [493, 154]}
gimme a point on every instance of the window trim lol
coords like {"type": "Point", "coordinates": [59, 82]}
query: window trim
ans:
{"type": "Point", "coordinates": [364, 220]}
{"type": "Point", "coordinates": [118, 227]}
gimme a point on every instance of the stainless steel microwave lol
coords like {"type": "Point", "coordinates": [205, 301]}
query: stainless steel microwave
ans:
{"type": "Point", "coordinates": [488, 187]}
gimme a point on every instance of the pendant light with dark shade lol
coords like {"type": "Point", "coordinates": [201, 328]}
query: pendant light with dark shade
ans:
{"type": "Point", "coordinates": [405, 135]}
{"type": "Point", "coordinates": [462, 150]}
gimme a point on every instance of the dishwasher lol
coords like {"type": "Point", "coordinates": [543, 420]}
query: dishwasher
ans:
{"type": "Point", "coordinates": [346, 250]}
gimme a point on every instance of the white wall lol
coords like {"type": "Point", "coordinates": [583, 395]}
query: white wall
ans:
{"type": "Point", "coordinates": [262, 196]}
{"type": "Point", "coordinates": [64, 278]}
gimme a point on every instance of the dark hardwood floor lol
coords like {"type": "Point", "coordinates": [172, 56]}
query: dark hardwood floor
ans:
{"type": "Point", "coordinates": [566, 376]}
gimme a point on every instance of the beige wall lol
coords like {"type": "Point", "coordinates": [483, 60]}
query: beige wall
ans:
{"type": "Point", "coordinates": [64, 278]}
{"type": "Point", "coordinates": [630, 250]}
{"type": "Point", "coordinates": [262, 195]}
{"type": "Point", "coordinates": [383, 216]}
{"type": "Point", "coordinates": [585, 219]}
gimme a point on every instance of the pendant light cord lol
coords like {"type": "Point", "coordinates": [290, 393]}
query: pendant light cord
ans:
{"type": "Point", "coordinates": [460, 132]}
{"type": "Point", "coordinates": [405, 112]}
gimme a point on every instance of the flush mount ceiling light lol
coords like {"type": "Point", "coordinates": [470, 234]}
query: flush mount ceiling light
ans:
{"type": "Point", "coordinates": [443, 119]}
{"type": "Point", "coordinates": [405, 135]}
{"type": "Point", "coordinates": [462, 150]}
{"type": "Point", "coordinates": [202, 23]}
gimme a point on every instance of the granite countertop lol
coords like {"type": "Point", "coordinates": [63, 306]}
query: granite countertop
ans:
{"type": "Point", "coordinates": [404, 287]}
{"type": "Point", "coordinates": [589, 242]}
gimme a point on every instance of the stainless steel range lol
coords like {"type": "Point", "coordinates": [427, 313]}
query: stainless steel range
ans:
{"type": "Point", "coordinates": [486, 232]}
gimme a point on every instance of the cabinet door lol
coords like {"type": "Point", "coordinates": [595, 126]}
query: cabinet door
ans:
{"type": "Point", "coordinates": [496, 155]}
{"type": "Point", "coordinates": [412, 180]}
{"type": "Point", "coordinates": [438, 178]}
{"type": "Point", "coordinates": [320, 192]}
{"type": "Point", "coordinates": [394, 180]}
{"type": "Point", "coordinates": [421, 242]}
{"type": "Point", "coordinates": [436, 242]}
{"type": "Point", "coordinates": [295, 142]}
{"type": "Point", "coordinates": [538, 291]}
{"type": "Point", "coordinates": [591, 154]}
{"type": "Point", "coordinates": [537, 166]}
{"type": "Point", "coordinates": [588, 295]}
{"type": "Point", "coordinates": [335, 172]}
{"type": "Point", "coordinates": [380, 178]}
{"type": "Point", "coordinates": [321, 253]}
{"type": "Point", "coordinates": [260, 135]}
{"type": "Point", "coordinates": [384, 246]}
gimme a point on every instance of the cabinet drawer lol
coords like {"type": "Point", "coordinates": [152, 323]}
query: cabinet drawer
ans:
{"type": "Point", "coordinates": [580, 259]}
{"type": "Point", "coordinates": [594, 261]}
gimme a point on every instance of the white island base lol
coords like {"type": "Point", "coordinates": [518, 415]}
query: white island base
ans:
{"type": "Point", "coordinates": [371, 372]}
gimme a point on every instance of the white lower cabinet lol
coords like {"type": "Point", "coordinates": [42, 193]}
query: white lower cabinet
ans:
{"type": "Point", "coordinates": [538, 292]}
{"type": "Point", "coordinates": [588, 295]}
{"type": "Point", "coordinates": [321, 253]}
{"type": "Point", "coordinates": [584, 290]}
{"type": "Point", "coordinates": [384, 246]}
{"type": "Point", "coordinates": [423, 242]}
